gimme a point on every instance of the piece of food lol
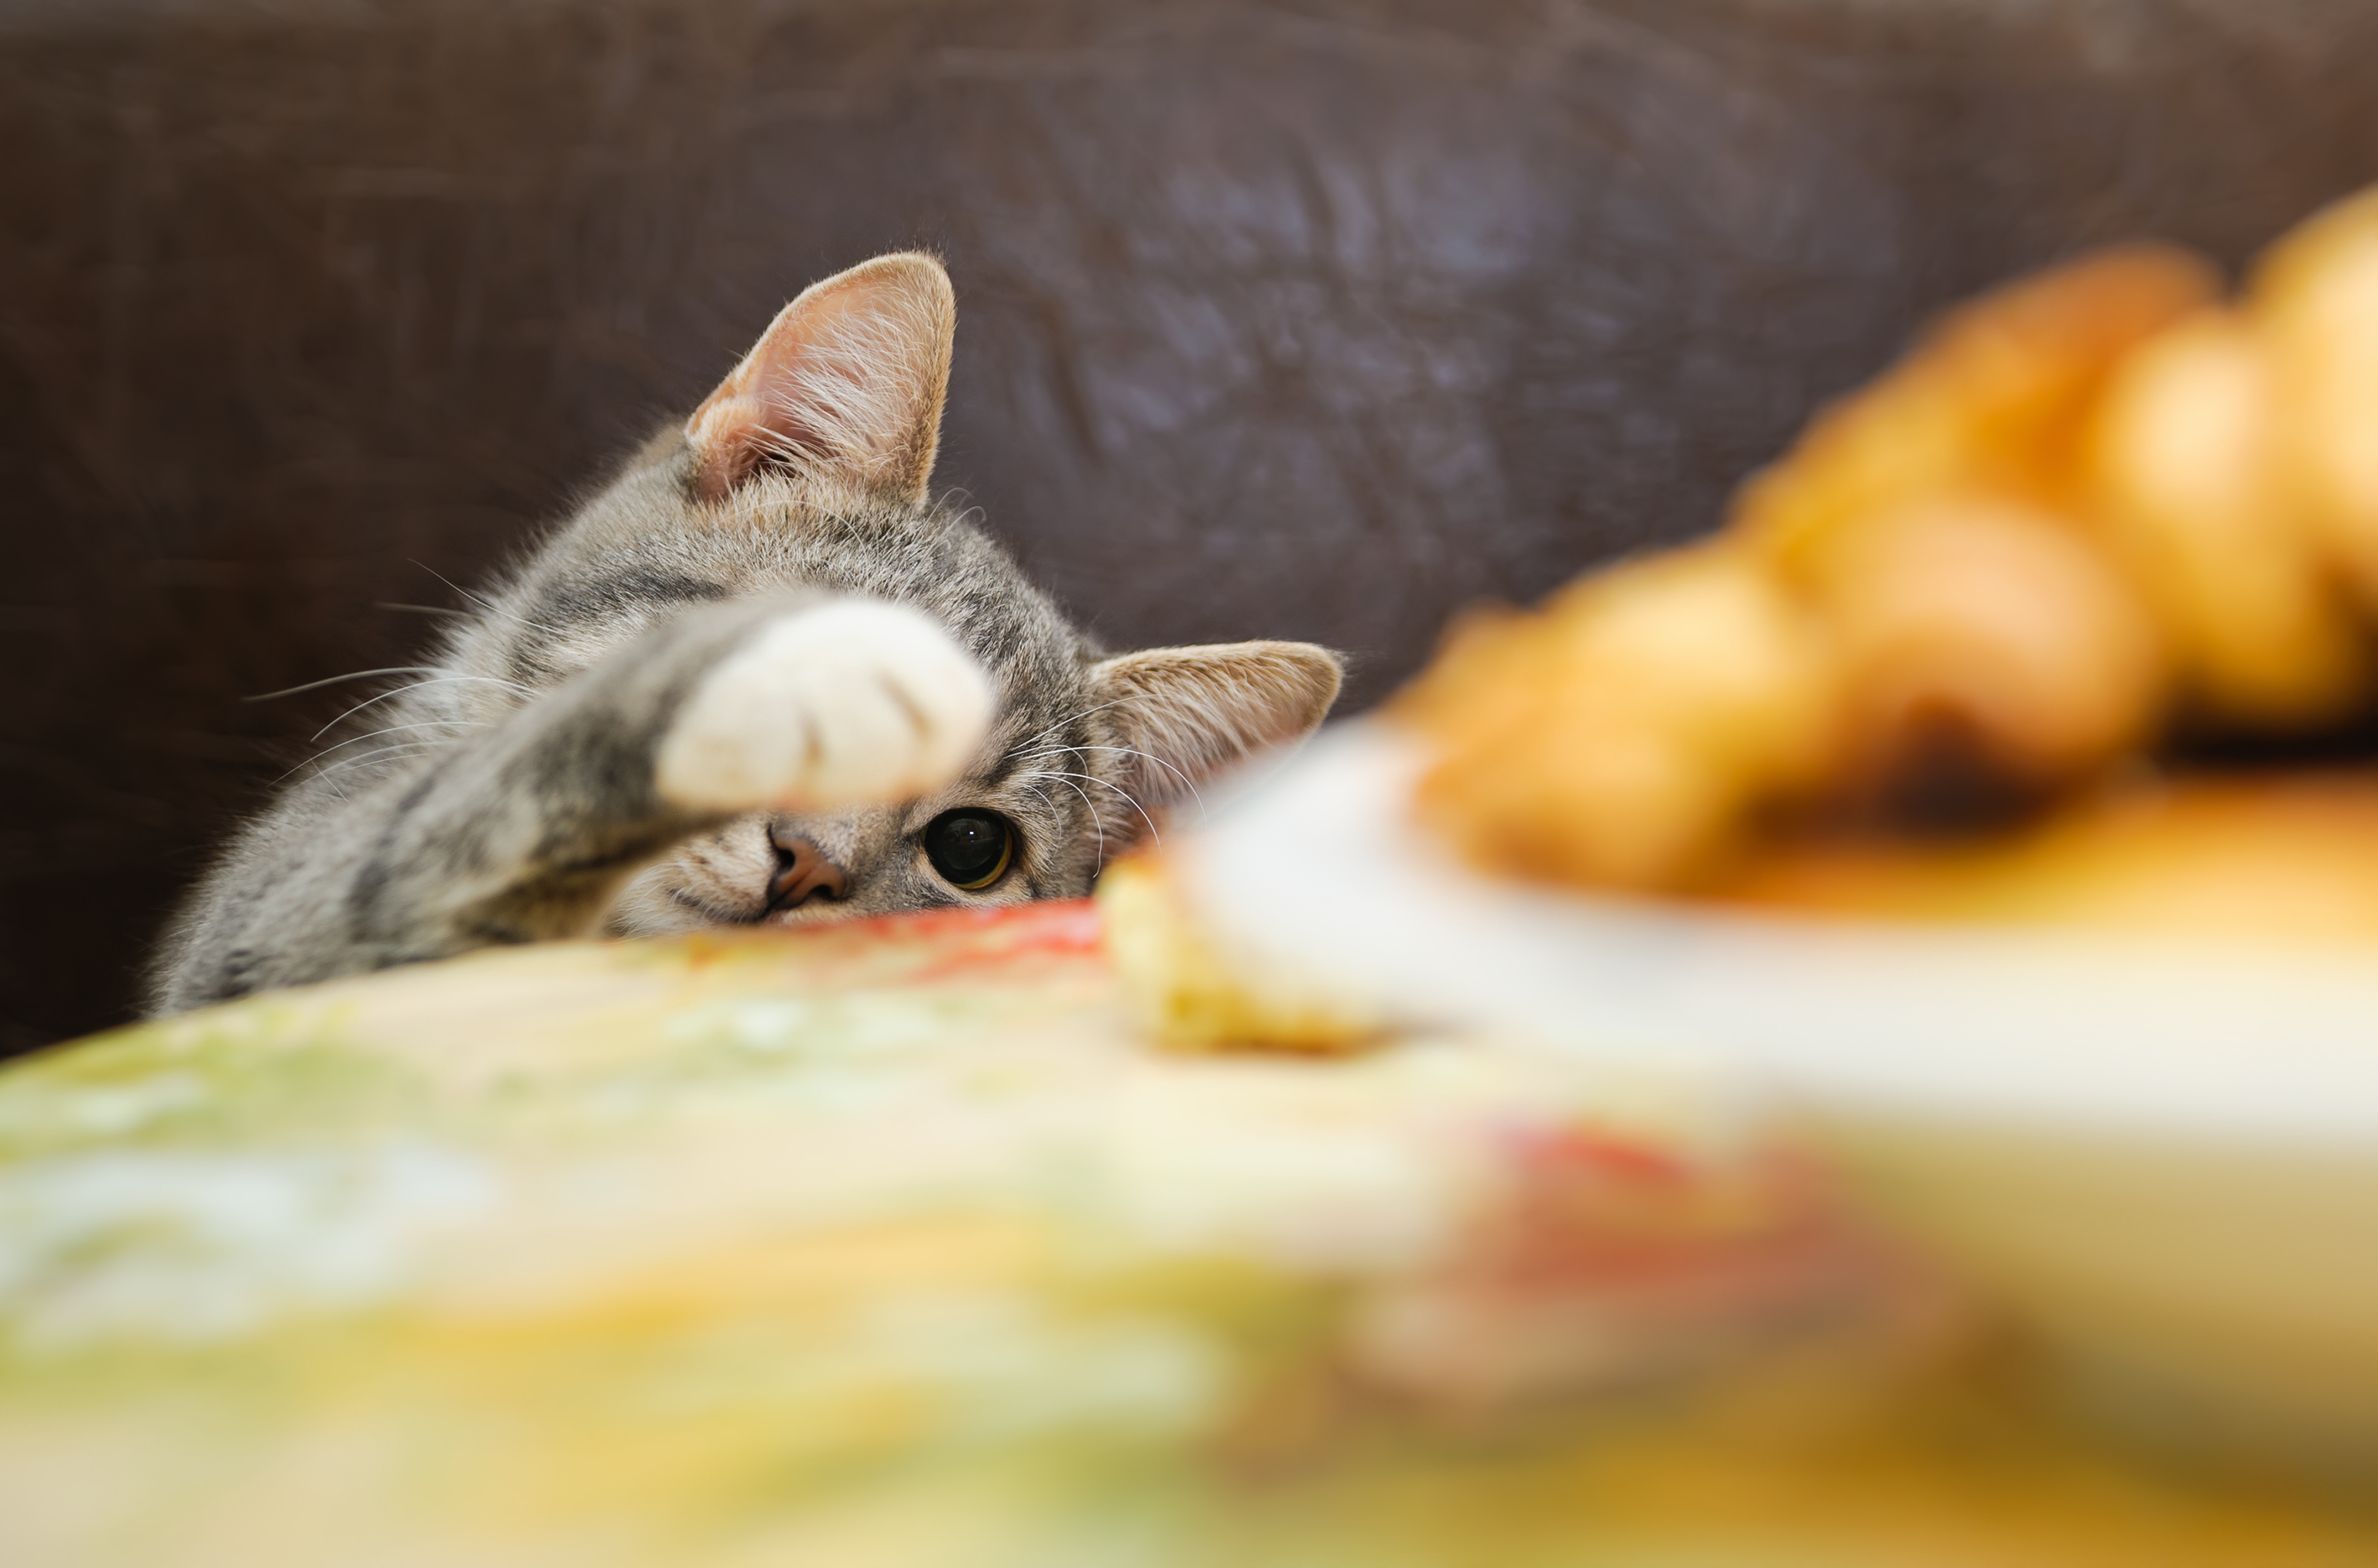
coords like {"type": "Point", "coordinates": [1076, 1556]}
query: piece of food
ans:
{"type": "Point", "coordinates": [2187, 458]}
{"type": "Point", "coordinates": [1628, 735]}
{"type": "Point", "coordinates": [1933, 522]}
{"type": "Point", "coordinates": [2090, 511]}
{"type": "Point", "coordinates": [2315, 297]}
{"type": "Point", "coordinates": [1983, 632]}
{"type": "Point", "coordinates": [1191, 995]}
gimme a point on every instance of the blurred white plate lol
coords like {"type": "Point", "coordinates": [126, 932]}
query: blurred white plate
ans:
{"type": "Point", "coordinates": [2165, 1154]}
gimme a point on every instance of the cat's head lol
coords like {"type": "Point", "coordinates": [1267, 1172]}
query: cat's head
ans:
{"type": "Point", "coordinates": [811, 467]}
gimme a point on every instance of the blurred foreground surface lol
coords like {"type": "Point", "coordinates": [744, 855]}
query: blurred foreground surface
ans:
{"type": "Point", "coordinates": [895, 1245]}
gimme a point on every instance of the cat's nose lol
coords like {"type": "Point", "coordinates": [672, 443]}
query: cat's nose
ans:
{"type": "Point", "coordinates": [803, 872]}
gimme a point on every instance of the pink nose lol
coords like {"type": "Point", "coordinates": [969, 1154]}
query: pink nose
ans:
{"type": "Point", "coordinates": [802, 873]}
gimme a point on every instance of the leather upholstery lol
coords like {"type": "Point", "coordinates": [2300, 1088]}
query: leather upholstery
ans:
{"type": "Point", "coordinates": [1310, 318]}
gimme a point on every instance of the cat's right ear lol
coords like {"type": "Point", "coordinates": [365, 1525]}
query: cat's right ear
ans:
{"type": "Point", "coordinates": [844, 389]}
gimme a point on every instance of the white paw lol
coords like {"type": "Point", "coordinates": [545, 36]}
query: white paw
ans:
{"type": "Point", "coordinates": [852, 702]}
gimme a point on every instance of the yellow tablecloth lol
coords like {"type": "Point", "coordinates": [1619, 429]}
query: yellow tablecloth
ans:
{"type": "Point", "coordinates": [896, 1245]}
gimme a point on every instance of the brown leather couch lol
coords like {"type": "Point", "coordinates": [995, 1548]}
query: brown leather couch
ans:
{"type": "Point", "coordinates": [1314, 318]}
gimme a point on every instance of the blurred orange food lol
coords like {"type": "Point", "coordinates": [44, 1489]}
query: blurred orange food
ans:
{"type": "Point", "coordinates": [1625, 734]}
{"type": "Point", "coordinates": [2088, 511]}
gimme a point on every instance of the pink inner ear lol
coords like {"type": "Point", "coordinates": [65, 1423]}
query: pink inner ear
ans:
{"type": "Point", "coordinates": [846, 385]}
{"type": "Point", "coordinates": [723, 432]}
{"type": "Point", "coordinates": [770, 405]}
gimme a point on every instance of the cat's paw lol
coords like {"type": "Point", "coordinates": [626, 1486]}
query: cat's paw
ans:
{"type": "Point", "coordinates": [853, 701]}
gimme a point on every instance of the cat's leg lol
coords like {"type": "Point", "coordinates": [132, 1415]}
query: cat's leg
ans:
{"type": "Point", "coordinates": [527, 831]}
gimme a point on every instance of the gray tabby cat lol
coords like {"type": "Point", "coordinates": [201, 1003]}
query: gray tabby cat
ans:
{"type": "Point", "coordinates": [762, 678]}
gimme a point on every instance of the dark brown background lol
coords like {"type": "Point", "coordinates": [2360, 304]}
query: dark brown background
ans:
{"type": "Point", "coordinates": [1305, 318]}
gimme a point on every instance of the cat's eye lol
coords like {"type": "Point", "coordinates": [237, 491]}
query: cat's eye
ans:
{"type": "Point", "coordinates": [970, 848]}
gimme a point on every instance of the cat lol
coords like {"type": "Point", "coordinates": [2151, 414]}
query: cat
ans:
{"type": "Point", "coordinates": [763, 677]}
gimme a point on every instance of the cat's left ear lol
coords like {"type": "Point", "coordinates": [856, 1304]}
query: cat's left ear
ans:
{"type": "Point", "coordinates": [1185, 715]}
{"type": "Point", "coordinates": [844, 389]}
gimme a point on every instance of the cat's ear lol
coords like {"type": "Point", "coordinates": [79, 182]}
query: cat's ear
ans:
{"type": "Point", "coordinates": [844, 388]}
{"type": "Point", "coordinates": [1186, 714]}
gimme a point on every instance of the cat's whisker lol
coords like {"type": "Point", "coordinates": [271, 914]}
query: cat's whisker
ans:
{"type": "Point", "coordinates": [366, 702]}
{"type": "Point", "coordinates": [1135, 752]}
{"type": "Point", "coordinates": [1097, 822]}
{"type": "Point", "coordinates": [333, 680]}
{"type": "Point", "coordinates": [417, 686]}
{"type": "Point", "coordinates": [385, 729]}
{"type": "Point", "coordinates": [1037, 793]}
{"type": "Point", "coordinates": [413, 746]}
{"type": "Point", "coordinates": [489, 605]}
{"type": "Point", "coordinates": [1060, 724]}
{"type": "Point", "coordinates": [1092, 778]}
{"type": "Point", "coordinates": [362, 757]}
{"type": "Point", "coordinates": [391, 729]}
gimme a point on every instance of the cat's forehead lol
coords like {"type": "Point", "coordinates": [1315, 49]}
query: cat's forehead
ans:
{"type": "Point", "coordinates": [1036, 718]}
{"type": "Point", "coordinates": [646, 551]}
